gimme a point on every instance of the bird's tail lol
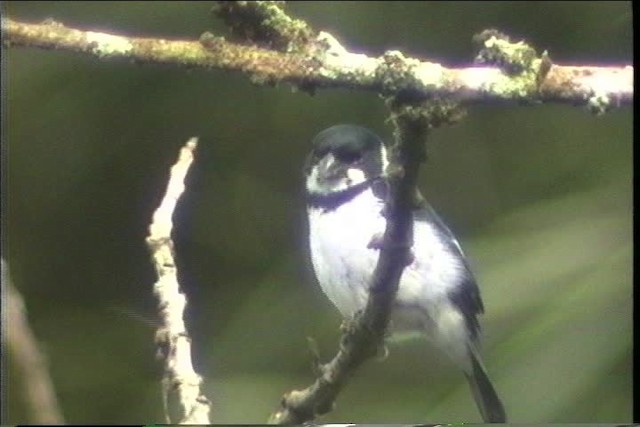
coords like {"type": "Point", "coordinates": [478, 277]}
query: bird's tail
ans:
{"type": "Point", "coordinates": [485, 395]}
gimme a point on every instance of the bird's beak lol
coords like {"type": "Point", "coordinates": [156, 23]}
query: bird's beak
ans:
{"type": "Point", "coordinates": [329, 168]}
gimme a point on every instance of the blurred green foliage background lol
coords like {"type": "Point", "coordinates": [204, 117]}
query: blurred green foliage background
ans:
{"type": "Point", "coordinates": [540, 197]}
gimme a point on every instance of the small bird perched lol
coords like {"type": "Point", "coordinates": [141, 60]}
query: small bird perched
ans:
{"type": "Point", "coordinates": [437, 294]}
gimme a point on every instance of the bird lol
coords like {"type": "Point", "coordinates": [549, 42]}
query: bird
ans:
{"type": "Point", "coordinates": [438, 296]}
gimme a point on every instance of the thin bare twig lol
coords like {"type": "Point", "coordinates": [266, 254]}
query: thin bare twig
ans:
{"type": "Point", "coordinates": [181, 384]}
{"type": "Point", "coordinates": [40, 396]}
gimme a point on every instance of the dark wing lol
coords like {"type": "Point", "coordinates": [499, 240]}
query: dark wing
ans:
{"type": "Point", "coordinates": [466, 296]}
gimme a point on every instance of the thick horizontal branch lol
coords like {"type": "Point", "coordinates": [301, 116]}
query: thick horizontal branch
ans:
{"type": "Point", "coordinates": [326, 63]}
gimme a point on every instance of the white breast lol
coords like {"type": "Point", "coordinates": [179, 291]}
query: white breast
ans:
{"type": "Point", "coordinates": [343, 264]}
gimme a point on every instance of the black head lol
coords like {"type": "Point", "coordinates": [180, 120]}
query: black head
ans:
{"type": "Point", "coordinates": [345, 159]}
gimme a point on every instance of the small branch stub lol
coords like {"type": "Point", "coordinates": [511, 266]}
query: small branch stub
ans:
{"type": "Point", "coordinates": [264, 23]}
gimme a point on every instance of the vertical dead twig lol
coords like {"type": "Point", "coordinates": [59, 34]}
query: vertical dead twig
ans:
{"type": "Point", "coordinates": [181, 384]}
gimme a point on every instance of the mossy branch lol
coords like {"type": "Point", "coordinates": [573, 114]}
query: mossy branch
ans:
{"type": "Point", "coordinates": [278, 49]}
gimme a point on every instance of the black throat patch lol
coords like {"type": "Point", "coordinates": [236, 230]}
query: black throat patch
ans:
{"type": "Point", "coordinates": [331, 201]}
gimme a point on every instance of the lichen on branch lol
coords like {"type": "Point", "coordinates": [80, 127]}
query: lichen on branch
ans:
{"type": "Point", "coordinates": [264, 23]}
{"type": "Point", "coordinates": [272, 48]}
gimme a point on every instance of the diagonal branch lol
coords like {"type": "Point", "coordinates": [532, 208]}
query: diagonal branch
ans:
{"type": "Point", "coordinates": [324, 63]}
